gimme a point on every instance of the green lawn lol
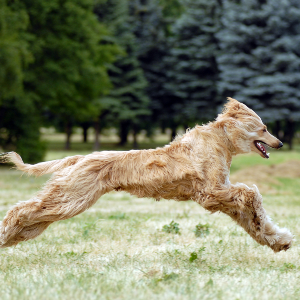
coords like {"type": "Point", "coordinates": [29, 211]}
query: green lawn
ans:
{"type": "Point", "coordinates": [119, 250]}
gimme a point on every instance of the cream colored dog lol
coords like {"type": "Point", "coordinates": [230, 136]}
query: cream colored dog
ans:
{"type": "Point", "coordinates": [193, 167]}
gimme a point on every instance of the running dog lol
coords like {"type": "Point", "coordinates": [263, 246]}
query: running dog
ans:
{"type": "Point", "coordinates": [194, 167]}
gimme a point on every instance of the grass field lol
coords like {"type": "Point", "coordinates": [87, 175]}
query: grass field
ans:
{"type": "Point", "coordinates": [120, 249]}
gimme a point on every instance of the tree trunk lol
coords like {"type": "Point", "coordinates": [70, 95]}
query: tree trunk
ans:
{"type": "Point", "coordinates": [173, 132]}
{"type": "Point", "coordinates": [135, 142]}
{"type": "Point", "coordinates": [68, 136]}
{"type": "Point", "coordinates": [85, 128]}
{"type": "Point", "coordinates": [289, 133]}
{"type": "Point", "coordinates": [97, 143]}
{"type": "Point", "coordinates": [124, 130]}
{"type": "Point", "coordinates": [277, 129]}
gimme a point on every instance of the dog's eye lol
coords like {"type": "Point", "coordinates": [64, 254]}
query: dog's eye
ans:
{"type": "Point", "coordinates": [264, 130]}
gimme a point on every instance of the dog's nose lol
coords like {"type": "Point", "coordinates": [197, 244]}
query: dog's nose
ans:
{"type": "Point", "coordinates": [280, 144]}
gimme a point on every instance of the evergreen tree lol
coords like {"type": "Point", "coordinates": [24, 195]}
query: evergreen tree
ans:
{"type": "Point", "coordinates": [179, 65]}
{"type": "Point", "coordinates": [191, 66]}
{"type": "Point", "coordinates": [127, 103]}
{"type": "Point", "coordinates": [151, 28]}
{"type": "Point", "coordinates": [260, 61]}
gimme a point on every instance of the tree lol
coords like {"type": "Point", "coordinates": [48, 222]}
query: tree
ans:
{"type": "Point", "coordinates": [19, 121]}
{"type": "Point", "coordinates": [127, 103]}
{"type": "Point", "coordinates": [192, 68]}
{"type": "Point", "coordinates": [14, 53]}
{"type": "Point", "coordinates": [179, 64]}
{"type": "Point", "coordinates": [71, 49]}
{"type": "Point", "coordinates": [151, 27]}
{"type": "Point", "coordinates": [260, 61]}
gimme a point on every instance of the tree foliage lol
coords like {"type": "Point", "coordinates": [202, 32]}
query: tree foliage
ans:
{"type": "Point", "coordinates": [260, 61]}
{"type": "Point", "coordinates": [127, 103]}
{"type": "Point", "coordinates": [191, 65]}
{"type": "Point", "coordinates": [19, 121]}
{"type": "Point", "coordinates": [151, 28]}
{"type": "Point", "coordinates": [143, 64]}
{"type": "Point", "coordinates": [14, 52]}
{"type": "Point", "coordinates": [70, 50]}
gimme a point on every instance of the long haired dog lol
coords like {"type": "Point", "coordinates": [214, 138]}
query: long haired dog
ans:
{"type": "Point", "coordinates": [193, 167]}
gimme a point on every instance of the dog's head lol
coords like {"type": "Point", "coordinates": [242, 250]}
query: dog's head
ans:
{"type": "Point", "coordinates": [245, 129]}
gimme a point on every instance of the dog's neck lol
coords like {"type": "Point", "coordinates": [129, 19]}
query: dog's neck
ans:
{"type": "Point", "coordinates": [195, 137]}
{"type": "Point", "coordinates": [212, 136]}
{"type": "Point", "coordinates": [227, 141]}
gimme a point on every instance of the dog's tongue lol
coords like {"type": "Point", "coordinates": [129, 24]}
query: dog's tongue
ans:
{"type": "Point", "coordinates": [261, 147]}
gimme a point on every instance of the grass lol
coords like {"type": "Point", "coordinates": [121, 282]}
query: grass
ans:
{"type": "Point", "coordinates": [119, 249]}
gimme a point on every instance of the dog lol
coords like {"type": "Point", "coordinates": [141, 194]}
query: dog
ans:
{"type": "Point", "coordinates": [194, 167]}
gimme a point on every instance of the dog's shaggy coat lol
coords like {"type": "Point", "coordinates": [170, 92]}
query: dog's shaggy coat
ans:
{"type": "Point", "coordinates": [193, 167]}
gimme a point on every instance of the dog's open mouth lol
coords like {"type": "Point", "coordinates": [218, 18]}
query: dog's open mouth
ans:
{"type": "Point", "coordinates": [259, 145]}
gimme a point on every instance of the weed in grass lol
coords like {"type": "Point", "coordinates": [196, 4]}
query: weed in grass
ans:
{"type": "Point", "coordinates": [73, 255]}
{"type": "Point", "coordinates": [120, 216]}
{"type": "Point", "coordinates": [166, 277]}
{"type": "Point", "coordinates": [70, 254]}
{"type": "Point", "coordinates": [218, 269]}
{"type": "Point", "coordinates": [209, 283]}
{"type": "Point", "coordinates": [169, 276]}
{"type": "Point", "coordinates": [88, 227]}
{"type": "Point", "coordinates": [193, 256]}
{"type": "Point", "coordinates": [184, 215]}
{"type": "Point", "coordinates": [201, 250]}
{"type": "Point", "coordinates": [172, 228]}
{"type": "Point", "coordinates": [201, 230]}
{"type": "Point", "coordinates": [287, 267]}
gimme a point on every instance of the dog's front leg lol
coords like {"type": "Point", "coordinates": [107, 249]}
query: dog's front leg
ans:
{"type": "Point", "coordinates": [244, 205]}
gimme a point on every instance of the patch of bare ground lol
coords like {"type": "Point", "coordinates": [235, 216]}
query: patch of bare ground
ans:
{"type": "Point", "coordinates": [266, 177]}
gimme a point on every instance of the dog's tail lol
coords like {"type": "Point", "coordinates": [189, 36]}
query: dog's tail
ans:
{"type": "Point", "coordinates": [40, 168]}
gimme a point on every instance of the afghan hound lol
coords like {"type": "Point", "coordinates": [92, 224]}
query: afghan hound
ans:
{"type": "Point", "coordinates": [194, 167]}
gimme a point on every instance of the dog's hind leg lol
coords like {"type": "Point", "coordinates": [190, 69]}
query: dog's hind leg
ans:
{"type": "Point", "coordinates": [63, 197]}
{"type": "Point", "coordinates": [244, 205]}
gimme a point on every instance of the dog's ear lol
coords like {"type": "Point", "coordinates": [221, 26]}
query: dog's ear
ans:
{"type": "Point", "coordinates": [237, 110]}
{"type": "Point", "coordinates": [231, 108]}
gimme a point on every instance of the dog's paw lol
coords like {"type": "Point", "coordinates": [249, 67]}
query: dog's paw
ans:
{"type": "Point", "coordinates": [279, 247]}
{"type": "Point", "coordinates": [284, 240]}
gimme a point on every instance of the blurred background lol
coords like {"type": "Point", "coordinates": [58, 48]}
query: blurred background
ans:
{"type": "Point", "coordinates": [88, 75]}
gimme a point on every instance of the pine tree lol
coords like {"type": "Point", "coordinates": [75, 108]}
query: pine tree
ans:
{"type": "Point", "coordinates": [260, 61]}
{"type": "Point", "coordinates": [127, 103]}
{"type": "Point", "coordinates": [191, 66]}
{"type": "Point", "coordinates": [151, 28]}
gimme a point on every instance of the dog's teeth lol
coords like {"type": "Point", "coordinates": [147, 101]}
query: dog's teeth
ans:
{"type": "Point", "coordinates": [268, 154]}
